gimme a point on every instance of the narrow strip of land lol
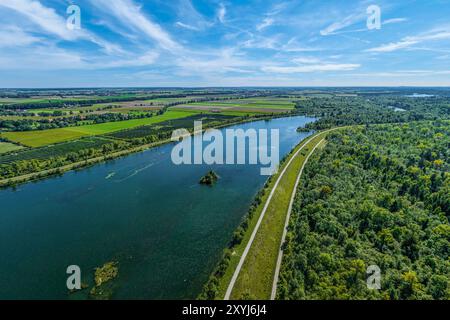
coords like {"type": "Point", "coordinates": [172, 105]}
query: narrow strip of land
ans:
{"type": "Point", "coordinates": [288, 217]}
{"type": "Point", "coordinates": [253, 277]}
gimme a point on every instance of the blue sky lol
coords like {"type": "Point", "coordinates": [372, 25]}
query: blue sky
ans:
{"type": "Point", "coordinates": [224, 43]}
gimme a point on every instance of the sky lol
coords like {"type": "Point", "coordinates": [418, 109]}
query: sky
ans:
{"type": "Point", "coordinates": [213, 43]}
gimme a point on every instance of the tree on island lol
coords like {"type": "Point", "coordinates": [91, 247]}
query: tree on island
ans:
{"type": "Point", "coordinates": [209, 179]}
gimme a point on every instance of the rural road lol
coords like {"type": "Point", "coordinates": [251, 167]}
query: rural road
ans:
{"type": "Point", "coordinates": [294, 192]}
{"type": "Point", "coordinates": [255, 230]}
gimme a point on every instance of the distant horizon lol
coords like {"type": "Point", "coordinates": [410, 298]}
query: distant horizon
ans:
{"type": "Point", "coordinates": [227, 87]}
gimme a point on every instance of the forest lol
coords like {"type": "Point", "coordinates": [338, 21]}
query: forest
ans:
{"type": "Point", "coordinates": [343, 110]}
{"type": "Point", "coordinates": [374, 195]}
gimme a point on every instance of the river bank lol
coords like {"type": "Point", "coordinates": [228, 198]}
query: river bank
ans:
{"type": "Point", "coordinates": [14, 181]}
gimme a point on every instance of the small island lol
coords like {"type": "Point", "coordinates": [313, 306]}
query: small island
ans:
{"type": "Point", "coordinates": [209, 179]}
{"type": "Point", "coordinates": [104, 287]}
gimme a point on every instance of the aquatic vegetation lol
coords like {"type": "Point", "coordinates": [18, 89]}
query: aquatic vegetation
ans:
{"type": "Point", "coordinates": [104, 289]}
{"type": "Point", "coordinates": [106, 273]}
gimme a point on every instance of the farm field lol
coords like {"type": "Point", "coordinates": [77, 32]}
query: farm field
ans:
{"type": "Point", "coordinates": [52, 136]}
{"type": "Point", "coordinates": [120, 107]}
{"type": "Point", "coordinates": [170, 125]}
{"type": "Point", "coordinates": [215, 110]}
{"type": "Point", "coordinates": [250, 105]}
{"type": "Point", "coordinates": [55, 150]}
{"type": "Point", "coordinates": [8, 147]}
{"type": "Point", "coordinates": [272, 103]}
{"type": "Point", "coordinates": [123, 107]}
{"type": "Point", "coordinates": [44, 99]}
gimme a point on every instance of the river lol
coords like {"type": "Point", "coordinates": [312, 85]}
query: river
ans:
{"type": "Point", "coordinates": [165, 230]}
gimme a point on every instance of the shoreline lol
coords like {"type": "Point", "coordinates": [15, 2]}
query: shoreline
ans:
{"type": "Point", "coordinates": [44, 174]}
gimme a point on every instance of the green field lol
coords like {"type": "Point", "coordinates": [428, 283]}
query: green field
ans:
{"type": "Point", "coordinates": [44, 99]}
{"type": "Point", "coordinates": [225, 112]}
{"type": "Point", "coordinates": [257, 103]}
{"type": "Point", "coordinates": [239, 107]}
{"type": "Point", "coordinates": [47, 137]}
{"type": "Point", "coordinates": [7, 147]}
{"type": "Point", "coordinates": [167, 127]}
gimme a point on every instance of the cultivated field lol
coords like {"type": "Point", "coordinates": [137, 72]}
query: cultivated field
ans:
{"type": "Point", "coordinates": [52, 136]}
{"type": "Point", "coordinates": [250, 105]}
{"type": "Point", "coordinates": [171, 125]}
{"type": "Point", "coordinates": [8, 147]}
{"type": "Point", "coordinates": [57, 150]}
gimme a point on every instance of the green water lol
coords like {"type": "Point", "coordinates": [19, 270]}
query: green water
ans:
{"type": "Point", "coordinates": [166, 231]}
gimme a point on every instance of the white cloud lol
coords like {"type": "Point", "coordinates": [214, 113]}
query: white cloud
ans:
{"type": "Point", "coordinates": [267, 22]}
{"type": "Point", "coordinates": [278, 8]}
{"type": "Point", "coordinates": [400, 73]}
{"type": "Point", "coordinates": [336, 26]}
{"type": "Point", "coordinates": [261, 43]}
{"type": "Point", "coordinates": [221, 13]}
{"type": "Point", "coordinates": [49, 21]}
{"type": "Point", "coordinates": [44, 17]}
{"type": "Point", "coordinates": [310, 68]}
{"type": "Point", "coordinates": [407, 42]}
{"type": "Point", "coordinates": [186, 26]}
{"type": "Point", "coordinates": [224, 60]}
{"type": "Point", "coordinates": [131, 15]}
{"type": "Point", "coordinates": [394, 46]}
{"type": "Point", "coordinates": [146, 59]}
{"type": "Point", "coordinates": [49, 57]}
{"type": "Point", "coordinates": [41, 58]}
{"type": "Point", "coordinates": [294, 46]}
{"type": "Point", "coordinates": [12, 36]}
{"type": "Point", "coordinates": [394, 20]}
{"type": "Point", "coordinates": [306, 60]}
{"type": "Point", "coordinates": [189, 18]}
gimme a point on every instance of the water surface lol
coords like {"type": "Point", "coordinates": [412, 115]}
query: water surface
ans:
{"type": "Point", "coordinates": [166, 231]}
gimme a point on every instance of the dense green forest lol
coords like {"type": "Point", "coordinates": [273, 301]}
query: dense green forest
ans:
{"type": "Point", "coordinates": [339, 111]}
{"type": "Point", "coordinates": [375, 195]}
